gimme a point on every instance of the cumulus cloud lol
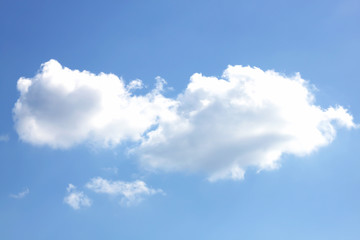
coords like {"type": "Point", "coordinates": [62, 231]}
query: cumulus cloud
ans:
{"type": "Point", "coordinates": [20, 194]}
{"type": "Point", "coordinates": [60, 107]}
{"type": "Point", "coordinates": [219, 126]}
{"type": "Point", "coordinates": [76, 199]}
{"type": "Point", "coordinates": [131, 192]}
{"type": "Point", "coordinates": [248, 118]}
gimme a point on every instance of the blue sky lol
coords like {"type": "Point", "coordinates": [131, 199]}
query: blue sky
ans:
{"type": "Point", "coordinates": [123, 155]}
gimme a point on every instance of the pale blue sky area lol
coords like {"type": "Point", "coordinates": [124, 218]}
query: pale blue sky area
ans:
{"type": "Point", "coordinates": [315, 196]}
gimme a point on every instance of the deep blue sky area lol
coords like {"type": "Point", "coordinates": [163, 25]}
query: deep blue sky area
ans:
{"type": "Point", "coordinates": [315, 196]}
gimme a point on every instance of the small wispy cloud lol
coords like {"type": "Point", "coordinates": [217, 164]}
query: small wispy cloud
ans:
{"type": "Point", "coordinates": [20, 194]}
{"type": "Point", "coordinates": [4, 138]}
{"type": "Point", "coordinates": [76, 199]}
{"type": "Point", "coordinates": [131, 192]}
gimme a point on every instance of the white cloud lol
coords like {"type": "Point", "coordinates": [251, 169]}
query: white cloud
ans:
{"type": "Point", "coordinates": [131, 192]}
{"type": "Point", "coordinates": [20, 194]}
{"type": "Point", "coordinates": [135, 84]}
{"type": "Point", "coordinates": [248, 118]}
{"type": "Point", "coordinates": [60, 107]}
{"type": "Point", "coordinates": [4, 138]}
{"type": "Point", "coordinates": [219, 126]}
{"type": "Point", "coordinates": [76, 199]}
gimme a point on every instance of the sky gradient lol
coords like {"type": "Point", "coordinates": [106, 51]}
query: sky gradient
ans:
{"type": "Point", "coordinates": [179, 120]}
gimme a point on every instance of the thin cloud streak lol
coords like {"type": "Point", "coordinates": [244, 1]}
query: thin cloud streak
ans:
{"type": "Point", "coordinates": [20, 194]}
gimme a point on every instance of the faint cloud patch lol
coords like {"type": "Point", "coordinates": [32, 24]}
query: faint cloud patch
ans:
{"type": "Point", "coordinates": [20, 194]}
{"type": "Point", "coordinates": [4, 138]}
{"type": "Point", "coordinates": [112, 170]}
{"type": "Point", "coordinates": [348, 8]}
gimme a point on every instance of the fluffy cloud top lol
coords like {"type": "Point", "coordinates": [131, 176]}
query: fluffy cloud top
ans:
{"type": "Point", "coordinates": [249, 118]}
{"type": "Point", "coordinates": [219, 126]}
{"type": "Point", "coordinates": [60, 107]}
{"type": "Point", "coordinates": [76, 199]}
{"type": "Point", "coordinates": [131, 192]}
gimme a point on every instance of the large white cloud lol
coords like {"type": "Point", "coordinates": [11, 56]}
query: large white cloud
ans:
{"type": "Point", "coordinates": [249, 117]}
{"type": "Point", "coordinates": [62, 107]}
